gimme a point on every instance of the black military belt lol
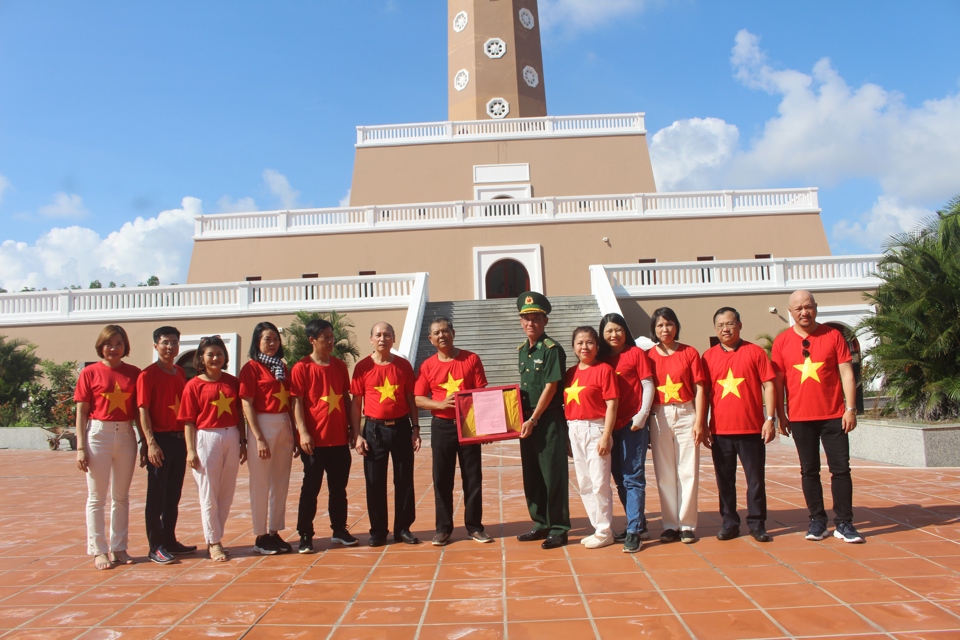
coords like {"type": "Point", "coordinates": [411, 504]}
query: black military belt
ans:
{"type": "Point", "coordinates": [169, 434]}
{"type": "Point", "coordinates": [387, 423]}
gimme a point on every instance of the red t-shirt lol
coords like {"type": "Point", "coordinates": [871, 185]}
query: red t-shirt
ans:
{"type": "Point", "coordinates": [212, 405]}
{"type": "Point", "coordinates": [269, 395]}
{"type": "Point", "coordinates": [111, 393]}
{"type": "Point", "coordinates": [438, 379]}
{"type": "Point", "coordinates": [736, 394]}
{"type": "Point", "coordinates": [676, 375]}
{"type": "Point", "coordinates": [812, 385]}
{"type": "Point", "coordinates": [631, 366]}
{"type": "Point", "coordinates": [323, 390]}
{"type": "Point", "coordinates": [586, 391]}
{"type": "Point", "coordinates": [384, 388]}
{"type": "Point", "coordinates": [159, 393]}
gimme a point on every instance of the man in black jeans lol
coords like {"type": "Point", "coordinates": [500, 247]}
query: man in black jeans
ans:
{"type": "Point", "coordinates": [814, 370]}
{"type": "Point", "coordinates": [441, 376]}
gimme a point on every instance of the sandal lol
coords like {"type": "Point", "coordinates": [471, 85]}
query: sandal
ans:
{"type": "Point", "coordinates": [102, 562]}
{"type": "Point", "coordinates": [217, 554]}
{"type": "Point", "coordinates": [121, 557]}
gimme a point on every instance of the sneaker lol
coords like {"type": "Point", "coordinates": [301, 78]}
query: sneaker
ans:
{"type": "Point", "coordinates": [817, 530]}
{"type": "Point", "coordinates": [441, 539]}
{"type": "Point", "coordinates": [687, 536]}
{"type": "Point", "coordinates": [587, 539]}
{"type": "Point", "coordinates": [266, 546]}
{"type": "Point", "coordinates": [179, 549]}
{"type": "Point", "coordinates": [599, 543]}
{"type": "Point", "coordinates": [669, 535]}
{"type": "Point", "coordinates": [619, 536]}
{"type": "Point", "coordinates": [344, 538]}
{"type": "Point", "coordinates": [306, 544]}
{"type": "Point", "coordinates": [847, 532]}
{"type": "Point", "coordinates": [644, 533]}
{"type": "Point", "coordinates": [281, 544]}
{"type": "Point", "coordinates": [480, 536]}
{"type": "Point", "coordinates": [161, 556]}
{"type": "Point", "coordinates": [631, 543]}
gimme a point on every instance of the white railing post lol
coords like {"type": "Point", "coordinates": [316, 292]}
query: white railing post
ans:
{"type": "Point", "coordinates": [413, 322]}
{"type": "Point", "coordinates": [728, 200]}
{"type": "Point", "coordinates": [639, 203]}
{"type": "Point", "coordinates": [244, 291]}
{"type": "Point", "coordinates": [549, 124]}
{"type": "Point", "coordinates": [371, 217]}
{"type": "Point", "coordinates": [283, 221]}
{"type": "Point", "coordinates": [551, 208]}
{"type": "Point", "coordinates": [448, 128]}
{"type": "Point", "coordinates": [66, 303]}
{"type": "Point", "coordinates": [779, 272]}
{"type": "Point", "coordinates": [458, 209]}
{"type": "Point", "coordinates": [360, 135]}
{"type": "Point", "coordinates": [814, 198]}
{"type": "Point", "coordinates": [197, 226]}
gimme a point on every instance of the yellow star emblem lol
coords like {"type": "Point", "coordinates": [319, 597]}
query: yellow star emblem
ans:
{"type": "Point", "coordinates": [175, 406]}
{"type": "Point", "coordinates": [671, 390]}
{"type": "Point", "coordinates": [223, 404]}
{"type": "Point", "coordinates": [387, 390]}
{"type": "Point", "coordinates": [451, 385]}
{"type": "Point", "coordinates": [573, 392]}
{"type": "Point", "coordinates": [808, 370]}
{"type": "Point", "coordinates": [333, 400]}
{"type": "Point", "coordinates": [117, 398]}
{"type": "Point", "coordinates": [283, 396]}
{"type": "Point", "coordinates": [730, 385]}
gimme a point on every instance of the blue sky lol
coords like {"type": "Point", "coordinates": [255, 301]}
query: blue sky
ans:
{"type": "Point", "coordinates": [121, 120]}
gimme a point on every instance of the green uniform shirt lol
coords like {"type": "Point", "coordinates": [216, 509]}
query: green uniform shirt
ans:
{"type": "Point", "coordinates": [540, 364]}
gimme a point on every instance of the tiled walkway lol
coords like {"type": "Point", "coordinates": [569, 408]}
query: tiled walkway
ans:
{"type": "Point", "coordinates": [904, 583]}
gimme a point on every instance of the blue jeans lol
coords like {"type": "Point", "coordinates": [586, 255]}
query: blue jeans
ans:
{"type": "Point", "coordinates": [628, 467]}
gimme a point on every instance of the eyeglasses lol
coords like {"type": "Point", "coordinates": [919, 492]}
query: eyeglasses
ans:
{"type": "Point", "coordinates": [726, 325]}
{"type": "Point", "coordinates": [806, 348]}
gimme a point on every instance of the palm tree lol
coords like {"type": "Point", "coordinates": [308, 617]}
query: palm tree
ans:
{"type": "Point", "coordinates": [18, 368]}
{"type": "Point", "coordinates": [918, 306]}
{"type": "Point", "coordinates": [298, 346]}
{"type": "Point", "coordinates": [765, 341]}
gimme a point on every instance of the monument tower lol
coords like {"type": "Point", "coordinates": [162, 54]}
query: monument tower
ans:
{"type": "Point", "coordinates": [494, 60]}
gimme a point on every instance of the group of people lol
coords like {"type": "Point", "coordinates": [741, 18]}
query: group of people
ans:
{"type": "Point", "coordinates": [604, 412]}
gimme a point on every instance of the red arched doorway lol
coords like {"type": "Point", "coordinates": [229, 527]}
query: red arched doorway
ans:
{"type": "Point", "coordinates": [506, 278]}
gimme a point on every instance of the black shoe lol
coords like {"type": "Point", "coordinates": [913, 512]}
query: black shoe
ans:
{"type": "Point", "coordinates": [728, 533]}
{"type": "Point", "coordinates": [376, 541]}
{"type": "Point", "coordinates": [534, 534]}
{"type": "Point", "coordinates": [644, 533]}
{"type": "Point", "coordinates": [480, 536]}
{"type": "Point", "coordinates": [266, 546]}
{"type": "Point", "coordinates": [631, 543]}
{"type": "Point", "coordinates": [669, 535]}
{"type": "Point", "coordinates": [344, 538]}
{"type": "Point", "coordinates": [759, 534]}
{"type": "Point", "coordinates": [687, 536]}
{"type": "Point", "coordinates": [282, 545]}
{"type": "Point", "coordinates": [406, 537]}
{"type": "Point", "coordinates": [619, 536]}
{"type": "Point", "coordinates": [554, 542]}
{"type": "Point", "coordinates": [178, 549]}
{"type": "Point", "coordinates": [161, 556]}
{"type": "Point", "coordinates": [306, 544]}
{"type": "Point", "coordinates": [441, 539]}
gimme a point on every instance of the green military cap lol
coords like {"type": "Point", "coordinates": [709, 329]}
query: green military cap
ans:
{"type": "Point", "coordinates": [533, 302]}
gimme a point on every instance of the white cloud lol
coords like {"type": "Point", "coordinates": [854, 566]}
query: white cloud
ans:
{"type": "Point", "coordinates": [66, 256]}
{"type": "Point", "coordinates": [279, 186]}
{"type": "Point", "coordinates": [226, 204]}
{"type": "Point", "coordinates": [345, 200]}
{"type": "Point", "coordinates": [64, 205]}
{"type": "Point", "coordinates": [4, 185]}
{"type": "Point", "coordinates": [683, 152]}
{"type": "Point", "coordinates": [580, 15]}
{"type": "Point", "coordinates": [887, 217]}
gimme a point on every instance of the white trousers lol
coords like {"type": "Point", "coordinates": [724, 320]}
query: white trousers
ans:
{"type": "Point", "coordinates": [593, 474]}
{"type": "Point", "coordinates": [218, 451]}
{"type": "Point", "coordinates": [270, 478]}
{"type": "Point", "coordinates": [112, 457]}
{"type": "Point", "coordinates": [676, 462]}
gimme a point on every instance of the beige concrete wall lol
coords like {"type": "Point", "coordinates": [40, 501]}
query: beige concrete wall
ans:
{"type": "Point", "coordinates": [77, 341]}
{"type": "Point", "coordinates": [558, 167]}
{"type": "Point", "coordinates": [568, 248]}
{"type": "Point", "coordinates": [696, 314]}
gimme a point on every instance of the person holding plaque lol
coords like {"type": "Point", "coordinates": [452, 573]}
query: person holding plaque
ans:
{"type": "Point", "coordinates": [543, 434]}
{"type": "Point", "coordinates": [441, 375]}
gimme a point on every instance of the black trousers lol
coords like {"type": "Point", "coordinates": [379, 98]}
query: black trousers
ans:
{"type": "Point", "coordinates": [164, 486]}
{"type": "Point", "coordinates": [753, 456]}
{"type": "Point", "coordinates": [446, 451]}
{"type": "Point", "coordinates": [395, 443]}
{"type": "Point", "coordinates": [836, 444]}
{"type": "Point", "coordinates": [335, 462]}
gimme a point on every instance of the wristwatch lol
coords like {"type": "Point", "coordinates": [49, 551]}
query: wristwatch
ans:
{"type": "Point", "coordinates": [772, 418]}
{"type": "Point", "coordinates": [243, 441]}
{"type": "Point", "coordinates": [854, 409]}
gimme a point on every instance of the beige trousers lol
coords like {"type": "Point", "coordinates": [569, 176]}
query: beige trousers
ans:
{"type": "Point", "coordinates": [593, 474]}
{"type": "Point", "coordinates": [218, 451]}
{"type": "Point", "coordinates": [112, 457]}
{"type": "Point", "coordinates": [270, 478]}
{"type": "Point", "coordinates": [676, 462]}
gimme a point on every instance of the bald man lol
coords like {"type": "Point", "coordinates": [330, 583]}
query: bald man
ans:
{"type": "Point", "coordinates": [382, 389]}
{"type": "Point", "coordinates": [815, 374]}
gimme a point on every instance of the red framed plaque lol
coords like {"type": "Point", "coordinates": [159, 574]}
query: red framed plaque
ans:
{"type": "Point", "coordinates": [488, 415]}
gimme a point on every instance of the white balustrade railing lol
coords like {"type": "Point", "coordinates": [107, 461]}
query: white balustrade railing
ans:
{"type": "Point", "coordinates": [675, 279]}
{"type": "Point", "coordinates": [212, 300]}
{"type": "Point", "coordinates": [528, 210]}
{"type": "Point", "coordinates": [466, 130]}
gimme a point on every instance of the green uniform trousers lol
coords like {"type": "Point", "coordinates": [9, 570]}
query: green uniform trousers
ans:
{"type": "Point", "coordinates": [546, 480]}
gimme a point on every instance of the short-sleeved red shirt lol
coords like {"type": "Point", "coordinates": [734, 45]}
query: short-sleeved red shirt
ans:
{"type": "Point", "coordinates": [324, 392]}
{"type": "Point", "coordinates": [384, 388]}
{"type": "Point", "coordinates": [160, 393]}
{"type": "Point", "coordinates": [438, 379]}
{"type": "Point", "coordinates": [734, 379]}
{"type": "Point", "coordinates": [586, 391]}
{"type": "Point", "coordinates": [631, 366]}
{"type": "Point", "coordinates": [812, 385]}
{"type": "Point", "coordinates": [212, 405]}
{"type": "Point", "coordinates": [676, 375]}
{"type": "Point", "coordinates": [110, 392]}
{"type": "Point", "coordinates": [269, 395]}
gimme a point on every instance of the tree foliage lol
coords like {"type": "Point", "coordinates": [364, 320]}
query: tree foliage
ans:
{"type": "Point", "coordinates": [298, 346]}
{"type": "Point", "coordinates": [52, 403]}
{"type": "Point", "coordinates": [18, 368]}
{"type": "Point", "coordinates": [917, 323]}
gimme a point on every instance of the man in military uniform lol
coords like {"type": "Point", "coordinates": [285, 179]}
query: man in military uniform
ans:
{"type": "Point", "coordinates": [543, 435]}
